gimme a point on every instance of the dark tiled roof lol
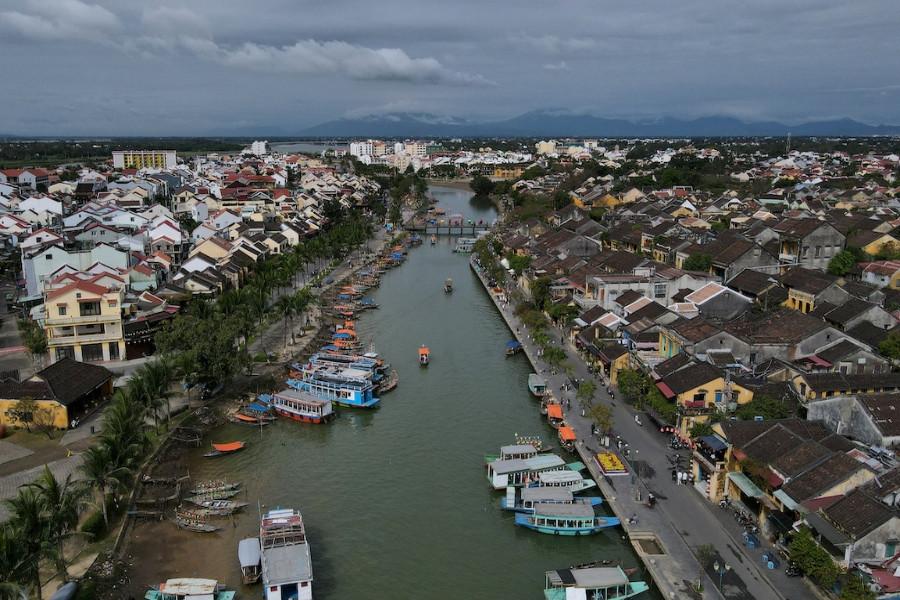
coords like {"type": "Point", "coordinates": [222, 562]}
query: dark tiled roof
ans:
{"type": "Point", "coordinates": [70, 380]}
{"type": "Point", "coordinates": [806, 280]}
{"type": "Point", "coordinates": [858, 514]}
{"type": "Point", "coordinates": [771, 444]}
{"type": "Point", "coordinates": [821, 477]}
{"type": "Point", "coordinates": [849, 310]}
{"type": "Point", "coordinates": [837, 443]}
{"type": "Point", "coordinates": [691, 377]}
{"type": "Point", "coordinates": [801, 458]}
{"type": "Point", "coordinates": [695, 330]}
{"type": "Point", "coordinates": [841, 382]}
{"type": "Point", "coordinates": [740, 433]}
{"type": "Point", "coordinates": [783, 327]}
{"type": "Point", "coordinates": [835, 353]}
{"type": "Point", "coordinates": [670, 365]}
{"type": "Point", "coordinates": [883, 408]}
{"type": "Point", "coordinates": [751, 282]}
{"type": "Point", "coordinates": [651, 311]}
{"type": "Point", "coordinates": [627, 297]}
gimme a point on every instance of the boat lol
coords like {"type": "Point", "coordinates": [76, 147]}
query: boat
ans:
{"type": "Point", "coordinates": [198, 499]}
{"type": "Point", "coordinates": [559, 518]}
{"type": "Point", "coordinates": [518, 472]}
{"type": "Point", "coordinates": [389, 382]}
{"type": "Point", "coordinates": [514, 347]}
{"type": "Point", "coordinates": [243, 420]}
{"type": "Point", "coordinates": [517, 450]}
{"type": "Point", "coordinates": [531, 495]}
{"type": "Point", "coordinates": [555, 416]}
{"type": "Point", "coordinates": [214, 485]}
{"type": "Point", "coordinates": [448, 285]}
{"type": "Point", "coordinates": [66, 592]}
{"type": "Point", "coordinates": [567, 437]}
{"type": "Point", "coordinates": [190, 588]}
{"type": "Point", "coordinates": [302, 406]}
{"type": "Point", "coordinates": [537, 385]}
{"type": "Point", "coordinates": [216, 508]}
{"type": "Point", "coordinates": [433, 239]}
{"type": "Point", "coordinates": [566, 479]}
{"type": "Point", "coordinates": [591, 583]}
{"type": "Point", "coordinates": [191, 522]}
{"type": "Point", "coordinates": [250, 557]}
{"type": "Point", "coordinates": [286, 562]}
{"type": "Point", "coordinates": [424, 356]}
{"type": "Point", "coordinates": [464, 244]}
{"type": "Point", "coordinates": [341, 389]}
{"type": "Point", "coordinates": [223, 449]}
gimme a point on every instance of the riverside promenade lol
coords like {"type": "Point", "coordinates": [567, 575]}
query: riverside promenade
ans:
{"type": "Point", "coordinates": [666, 536]}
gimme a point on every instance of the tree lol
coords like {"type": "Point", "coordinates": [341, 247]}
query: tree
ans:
{"type": "Point", "coordinates": [813, 559]}
{"type": "Point", "coordinates": [23, 411]}
{"type": "Point", "coordinates": [602, 416]}
{"type": "Point", "coordinates": [481, 185]}
{"type": "Point", "coordinates": [854, 587]}
{"type": "Point", "coordinates": [30, 527]}
{"type": "Point", "coordinates": [765, 407]}
{"type": "Point", "coordinates": [841, 264]}
{"type": "Point", "coordinates": [699, 430]}
{"type": "Point", "coordinates": [517, 262]}
{"type": "Point", "coordinates": [698, 262]}
{"type": "Point", "coordinates": [34, 338]}
{"type": "Point", "coordinates": [60, 505]}
{"type": "Point", "coordinates": [631, 383]}
{"type": "Point", "coordinates": [890, 346]}
{"type": "Point", "coordinates": [585, 393]}
{"type": "Point", "coordinates": [102, 473]}
{"type": "Point", "coordinates": [554, 357]}
{"type": "Point", "coordinates": [11, 565]}
{"type": "Point", "coordinates": [540, 291]}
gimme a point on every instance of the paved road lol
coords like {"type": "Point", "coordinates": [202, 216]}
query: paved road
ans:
{"type": "Point", "coordinates": [681, 508]}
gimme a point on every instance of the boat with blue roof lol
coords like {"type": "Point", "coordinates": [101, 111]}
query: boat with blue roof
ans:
{"type": "Point", "coordinates": [352, 392]}
{"type": "Point", "coordinates": [591, 583]}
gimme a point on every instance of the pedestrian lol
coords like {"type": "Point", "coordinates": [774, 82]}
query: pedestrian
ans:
{"type": "Point", "coordinates": [582, 411]}
{"type": "Point", "coordinates": [568, 403]}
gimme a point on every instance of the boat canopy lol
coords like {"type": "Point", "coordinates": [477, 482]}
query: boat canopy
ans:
{"type": "Point", "coordinates": [423, 350]}
{"type": "Point", "coordinates": [249, 552]}
{"type": "Point", "coordinates": [229, 447]}
{"type": "Point", "coordinates": [513, 344]}
{"type": "Point", "coordinates": [567, 434]}
{"type": "Point", "coordinates": [259, 407]}
{"type": "Point", "coordinates": [189, 586]}
{"type": "Point", "coordinates": [554, 411]}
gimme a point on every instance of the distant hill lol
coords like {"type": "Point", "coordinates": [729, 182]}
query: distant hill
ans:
{"type": "Point", "coordinates": [558, 124]}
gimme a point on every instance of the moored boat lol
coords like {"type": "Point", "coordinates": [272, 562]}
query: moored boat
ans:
{"type": "Point", "coordinates": [190, 522]}
{"type": "Point", "coordinates": [448, 285]}
{"type": "Point", "coordinates": [517, 450]}
{"type": "Point", "coordinates": [433, 239]}
{"type": "Point", "coordinates": [424, 356]}
{"type": "Point", "coordinates": [590, 583]}
{"type": "Point", "coordinates": [353, 392]}
{"type": "Point", "coordinates": [513, 347]}
{"type": "Point", "coordinates": [566, 479]}
{"type": "Point", "coordinates": [243, 420]}
{"type": "Point", "coordinates": [537, 385]}
{"type": "Point", "coordinates": [216, 508]}
{"type": "Point", "coordinates": [190, 588]}
{"type": "Point", "coordinates": [389, 382]}
{"type": "Point", "coordinates": [213, 485]}
{"type": "Point", "coordinates": [223, 449]}
{"type": "Point", "coordinates": [250, 557]}
{"type": "Point", "coordinates": [302, 406]}
{"type": "Point", "coordinates": [518, 472]}
{"type": "Point", "coordinates": [555, 415]}
{"type": "Point", "coordinates": [567, 437]}
{"type": "Point", "coordinates": [558, 518]}
{"type": "Point", "coordinates": [529, 496]}
{"type": "Point", "coordinates": [214, 495]}
{"type": "Point", "coordinates": [464, 244]}
{"type": "Point", "coordinates": [286, 562]}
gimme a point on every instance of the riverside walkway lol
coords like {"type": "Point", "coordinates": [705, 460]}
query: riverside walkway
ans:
{"type": "Point", "coordinates": [666, 536]}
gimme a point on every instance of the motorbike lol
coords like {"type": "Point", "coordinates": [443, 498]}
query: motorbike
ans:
{"type": "Point", "coordinates": [725, 503]}
{"type": "Point", "coordinates": [651, 500]}
{"type": "Point", "coordinates": [792, 570]}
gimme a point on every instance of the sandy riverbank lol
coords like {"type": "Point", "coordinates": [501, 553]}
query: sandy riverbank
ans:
{"type": "Point", "coordinates": [457, 184]}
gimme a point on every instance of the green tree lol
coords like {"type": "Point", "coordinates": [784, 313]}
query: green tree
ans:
{"type": "Point", "coordinates": [585, 393]}
{"type": "Point", "coordinates": [60, 504]}
{"type": "Point", "coordinates": [555, 357]}
{"type": "Point", "coordinates": [602, 417]}
{"type": "Point", "coordinates": [763, 406]}
{"type": "Point", "coordinates": [854, 587]}
{"type": "Point", "coordinates": [34, 338]}
{"type": "Point", "coordinates": [103, 474]}
{"type": "Point", "coordinates": [481, 185]}
{"type": "Point", "coordinates": [813, 559]}
{"type": "Point", "coordinates": [841, 263]}
{"type": "Point", "coordinates": [23, 411]}
{"type": "Point", "coordinates": [699, 430]}
{"type": "Point", "coordinates": [540, 291]}
{"type": "Point", "coordinates": [698, 262]}
{"type": "Point", "coordinates": [28, 522]}
{"type": "Point", "coordinates": [890, 346]}
{"type": "Point", "coordinates": [517, 262]}
{"type": "Point", "coordinates": [632, 384]}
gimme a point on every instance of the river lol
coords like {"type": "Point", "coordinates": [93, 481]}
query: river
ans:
{"type": "Point", "coordinates": [396, 500]}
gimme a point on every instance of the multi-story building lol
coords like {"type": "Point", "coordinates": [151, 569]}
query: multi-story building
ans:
{"type": "Point", "coordinates": [138, 159]}
{"type": "Point", "coordinates": [84, 321]}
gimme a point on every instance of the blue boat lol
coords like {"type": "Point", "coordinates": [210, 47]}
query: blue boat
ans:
{"type": "Point", "coordinates": [518, 472]}
{"type": "Point", "coordinates": [513, 348]}
{"type": "Point", "coordinates": [533, 495]}
{"type": "Point", "coordinates": [588, 583]}
{"type": "Point", "coordinates": [558, 518]}
{"type": "Point", "coordinates": [351, 392]}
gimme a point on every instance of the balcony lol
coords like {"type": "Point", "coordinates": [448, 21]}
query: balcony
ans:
{"type": "Point", "coordinates": [68, 321]}
{"type": "Point", "coordinates": [788, 259]}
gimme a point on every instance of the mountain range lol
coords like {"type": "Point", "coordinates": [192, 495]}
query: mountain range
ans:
{"type": "Point", "coordinates": [548, 123]}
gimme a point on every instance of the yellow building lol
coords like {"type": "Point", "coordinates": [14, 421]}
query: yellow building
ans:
{"type": "Point", "coordinates": [68, 389]}
{"type": "Point", "coordinates": [508, 171]}
{"type": "Point", "coordinates": [84, 321]}
{"type": "Point", "coordinates": [139, 159]}
{"type": "Point", "coordinates": [699, 389]}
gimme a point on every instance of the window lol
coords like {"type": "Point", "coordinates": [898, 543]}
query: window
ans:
{"type": "Point", "coordinates": [113, 351]}
{"type": "Point", "coordinates": [48, 257]}
{"type": "Point", "coordinates": [659, 290]}
{"type": "Point", "coordinates": [62, 311]}
{"type": "Point", "coordinates": [818, 251]}
{"type": "Point", "coordinates": [753, 358]}
{"type": "Point", "coordinates": [92, 352]}
{"type": "Point", "coordinates": [64, 352]}
{"type": "Point", "coordinates": [700, 396]}
{"type": "Point", "coordinates": [89, 309]}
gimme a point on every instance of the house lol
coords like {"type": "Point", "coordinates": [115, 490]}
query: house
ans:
{"type": "Point", "coordinates": [870, 418]}
{"type": "Point", "coordinates": [806, 288]}
{"type": "Point", "coordinates": [83, 320]}
{"type": "Point", "coordinates": [70, 389]}
{"type": "Point", "coordinates": [815, 386]}
{"type": "Point", "coordinates": [808, 242]}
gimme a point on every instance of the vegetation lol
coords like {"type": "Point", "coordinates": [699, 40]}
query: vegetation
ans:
{"type": "Point", "coordinates": [812, 559]}
{"type": "Point", "coordinates": [34, 338]}
{"type": "Point", "coordinates": [698, 262]}
{"type": "Point", "coordinates": [763, 406]}
{"type": "Point", "coordinates": [602, 416]}
{"type": "Point", "coordinates": [854, 587]}
{"type": "Point", "coordinates": [632, 384]}
{"type": "Point", "coordinates": [481, 185]}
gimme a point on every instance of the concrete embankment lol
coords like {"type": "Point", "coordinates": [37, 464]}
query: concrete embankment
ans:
{"type": "Point", "coordinates": [662, 549]}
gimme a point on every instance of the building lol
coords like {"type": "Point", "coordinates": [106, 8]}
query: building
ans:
{"type": "Point", "coordinates": [84, 321]}
{"type": "Point", "coordinates": [139, 159]}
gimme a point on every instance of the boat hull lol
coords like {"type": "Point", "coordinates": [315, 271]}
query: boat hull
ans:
{"type": "Point", "coordinates": [305, 418]}
{"type": "Point", "coordinates": [528, 520]}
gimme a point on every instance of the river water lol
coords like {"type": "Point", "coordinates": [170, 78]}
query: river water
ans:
{"type": "Point", "coordinates": [396, 500]}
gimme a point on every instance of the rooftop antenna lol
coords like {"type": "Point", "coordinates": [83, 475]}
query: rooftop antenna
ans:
{"type": "Point", "coordinates": [787, 149]}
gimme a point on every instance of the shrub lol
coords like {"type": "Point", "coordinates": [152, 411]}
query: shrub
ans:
{"type": "Point", "coordinates": [94, 525]}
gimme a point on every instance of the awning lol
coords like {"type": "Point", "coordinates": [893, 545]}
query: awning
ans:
{"type": "Point", "coordinates": [554, 411]}
{"type": "Point", "coordinates": [714, 442]}
{"type": "Point", "coordinates": [747, 486]}
{"type": "Point", "coordinates": [666, 390]}
{"type": "Point", "coordinates": [826, 529]}
{"type": "Point", "coordinates": [786, 500]}
{"type": "Point", "coordinates": [567, 434]}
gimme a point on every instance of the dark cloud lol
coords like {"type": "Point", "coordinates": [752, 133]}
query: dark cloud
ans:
{"type": "Point", "coordinates": [111, 67]}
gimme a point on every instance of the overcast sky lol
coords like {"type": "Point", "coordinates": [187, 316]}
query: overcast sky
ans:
{"type": "Point", "coordinates": [117, 67]}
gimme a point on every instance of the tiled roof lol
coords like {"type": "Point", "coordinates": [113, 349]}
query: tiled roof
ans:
{"type": "Point", "coordinates": [783, 327]}
{"type": "Point", "coordinates": [822, 477]}
{"type": "Point", "coordinates": [691, 377]}
{"type": "Point", "coordinates": [70, 380]}
{"type": "Point", "coordinates": [801, 458]}
{"type": "Point", "coordinates": [772, 444]}
{"type": "Point", "coordinates": [840, 382]}
{"type": "Point", "coordinates": [883, 408]}
{"type": "Point", "coordinates": [858, 514]}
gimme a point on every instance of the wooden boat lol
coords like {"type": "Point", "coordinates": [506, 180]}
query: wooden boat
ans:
{"type": "Point", "coordinates": [148, 480]}
{"type": "Point", "coordinates": [198, 499]}
{"type": "Point", "coordinates": [525, 503]}
{"type": "Point", "coordinates": [514, 347]}
{"type": "Point", "coordinates": [184, 588]}
{"type": "Point", "coordinates": [590, 583]}
{"type": "Point", "coordinates": [567, 437]}
{"type": "Point", "coordinates": [247, 420]}
{"type": "Point", "coordinates": [424, 356]}
{"type": "Point", "coordinates": [389, 382]}
{"type": "Point", "coordinates": [564, 519]}
{"type": "Point", "coordinates": [286, 562]}
{"type": "Point", "coordinates": [537, 385]}
{"type": "Point", "coordinates": [223, 449]}
{"type": "Point", "coordinates": [250, 557]}
{"type": "Point", "coordinates": [197, 525]}
{"type": "Point", "coordinates": [214, 485]}
{"type": "Point", "coordinates": [555, 415]}
{"type": "Point", "coordinates": [448, 285]}
{"type": "Point", "coordinates": [303, 406]}
{"type": "Point", "coordinates": [218, 508]}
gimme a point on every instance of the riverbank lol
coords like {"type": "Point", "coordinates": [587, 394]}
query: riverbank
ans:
{"type": "Point", "coordinates": [456, 184]}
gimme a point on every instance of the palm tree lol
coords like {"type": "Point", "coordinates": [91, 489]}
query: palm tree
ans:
{"type": "Point", "coordinates": [12, 563]}
{"type": "Point", "coordinates": [287, 308]}
{"type": "Point", "coordinates": [61, 505]}
{"type": "Point", "coordinates": [102, 472]}
{"type": "Point", "coordinates": [158, 376]}
{"type": "Point", "coordinates": [31, 531]}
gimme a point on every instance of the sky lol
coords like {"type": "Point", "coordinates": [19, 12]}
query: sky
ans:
{"type": "Point", "coordinates": [225, 67]}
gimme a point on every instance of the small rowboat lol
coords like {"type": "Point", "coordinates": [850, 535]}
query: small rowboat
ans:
{"type": "Point", "coordinates": [213, 508]}
{"type": "Point", "coordinates": [206, 487]}
{"type": "Point", "coordinates": [199, 499]}
{"type": "Point", "coordinates": [247, 420]}
{"type": "Point", "coordinates": [222, 449]}
{"type": "Point", "coordinates": [198, 526]}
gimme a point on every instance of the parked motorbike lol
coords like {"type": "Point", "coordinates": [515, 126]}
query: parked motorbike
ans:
{"type": "Point", "coordinates": [792, 570]}
{"type": "Point", "coordinates": [725, 503]}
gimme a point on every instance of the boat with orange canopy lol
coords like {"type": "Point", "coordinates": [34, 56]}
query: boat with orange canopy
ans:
{"type": "Point", "coordinates": [227, 448]}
